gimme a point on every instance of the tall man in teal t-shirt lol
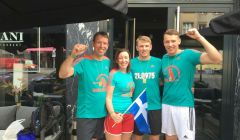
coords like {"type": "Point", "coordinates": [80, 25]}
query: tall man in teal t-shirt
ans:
{"type": "Point", "coordinates": [92, 71]}
{"type": "Point", "coordinates": [178, 67]}
{"type": "Point", "coordinates": [146, 73]}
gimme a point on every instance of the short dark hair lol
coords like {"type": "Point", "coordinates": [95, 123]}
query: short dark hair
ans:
{"type": "Point", "coordinates": [171, 32]}
{"type": "Point", "coordinates": [117, 55]}
{"type": "Point", "coordinates": [101, 33]}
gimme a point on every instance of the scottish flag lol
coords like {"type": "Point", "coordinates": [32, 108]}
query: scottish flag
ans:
{"type": "Point", "coordinates": [139, 109]}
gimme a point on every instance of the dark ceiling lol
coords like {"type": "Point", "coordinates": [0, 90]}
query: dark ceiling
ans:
{"type": "Point", "coordinates": [19, 14]}
{"type": "Point", "coordinates": [149, 18]}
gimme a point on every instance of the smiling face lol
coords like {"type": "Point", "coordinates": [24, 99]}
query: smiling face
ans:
{"type": "Point", "coordinates": [123, 60]}
{"type": "Point", "coordinates": [100, 45]}
{"type": "Point", "coordinates": [144, 47]}
{"type": "Point", "coordinates": [171, 44]}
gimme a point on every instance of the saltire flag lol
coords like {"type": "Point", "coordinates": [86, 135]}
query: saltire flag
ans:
{"type": "Point", "coordinates": [139, 109]}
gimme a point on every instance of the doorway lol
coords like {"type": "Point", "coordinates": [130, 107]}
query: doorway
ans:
{"type": "Point", "coordinates": [151, 22]}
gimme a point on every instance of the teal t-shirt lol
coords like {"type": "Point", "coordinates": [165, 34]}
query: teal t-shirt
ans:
{"type": "Point", "coordinates": [146, 74]}
{"type": "Point", "coordinates": [93, 76]}
{"type": "Point", "coordinates": [178, 74]}
{"type": "Point", "coordinates": [123, 90]}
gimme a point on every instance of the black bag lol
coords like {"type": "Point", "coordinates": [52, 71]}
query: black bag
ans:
{"type": "Point", "coordinates": [44, 115]}
{"type": "Point", "coordinates": [35, 122]}
{"type": "Point", "coordinates": [200, 84]}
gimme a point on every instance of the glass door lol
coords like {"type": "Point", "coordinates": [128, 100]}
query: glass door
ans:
{"type": "Point", "coordinates": [130, 32]}
{"type": "Point", "coordinates": [124, 35]}
{"type": "Point", "coordinates": [208, 78]}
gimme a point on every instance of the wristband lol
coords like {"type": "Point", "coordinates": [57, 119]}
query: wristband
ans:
{"type": "Point", "coordinates": [73, 56]}
{"type": "Point", "coordinates": [110, 113]}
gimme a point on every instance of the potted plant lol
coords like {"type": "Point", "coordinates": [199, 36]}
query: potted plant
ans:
{"type": "Point", "coordinates": [15, 91]}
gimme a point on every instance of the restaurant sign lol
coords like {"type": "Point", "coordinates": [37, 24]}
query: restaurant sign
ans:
{"type": "Point", "coordinates": [11, 39]}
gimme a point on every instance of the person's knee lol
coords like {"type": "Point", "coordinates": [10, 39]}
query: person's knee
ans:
{"type": "Point", "coordinates": [173, 137]}
{"type": "Point", "coordinates": [137, 137]}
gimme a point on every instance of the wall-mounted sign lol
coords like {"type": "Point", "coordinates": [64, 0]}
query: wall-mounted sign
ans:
{"type": "Point", "coordinates": [13, 50]}
{"type": "Point", "coordinates": [11, 39]}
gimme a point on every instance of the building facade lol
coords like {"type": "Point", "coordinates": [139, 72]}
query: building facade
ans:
{"type": "Point", "coordinates": [217, 111]}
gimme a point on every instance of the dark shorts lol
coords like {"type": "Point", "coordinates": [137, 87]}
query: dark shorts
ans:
{"type": "Point", "coordinates": [90, 128]}
{"type": "Point", "coordinates": [155, 122]}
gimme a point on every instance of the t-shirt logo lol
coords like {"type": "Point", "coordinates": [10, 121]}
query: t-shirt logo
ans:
{"type": "Point", "coordinates": [101, 82]}
{"type": "Point", "coordinates": [171, 73]}
{"type": "Point", "coordinates": [130, 86]}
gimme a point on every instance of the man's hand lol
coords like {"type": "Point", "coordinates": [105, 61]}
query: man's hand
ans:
{"type": "Point", "coordinates": [193, 33]}
{"type": "Point", "coordinates": [78, 49]}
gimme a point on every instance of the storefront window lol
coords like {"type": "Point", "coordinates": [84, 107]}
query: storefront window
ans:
{"type": "Point", "coordinates": [29, 63]}
{"type": "Point", "coordinates": [13, 47]}
{"type": "Point", "coordinates": [208, 78]}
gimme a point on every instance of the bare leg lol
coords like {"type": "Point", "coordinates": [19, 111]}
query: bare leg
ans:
{"type": "Point", "coordinates": [126, 136]}
{"type": "Point", "coordinates": [154, 137]}
{"type": "Point", "coordinates": [137, 137]}
{"type": "Point", "coordinates": [113, 137]}
{"type": "Point", "coordinates": [174, 137]}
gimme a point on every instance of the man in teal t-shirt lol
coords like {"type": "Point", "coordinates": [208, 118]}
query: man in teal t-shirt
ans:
{"type": "Point", "coordinates": [178, 67]}
{"type": "Point", "coordinates": [92, 71]}
{"type": "Point", "coordinates": [146, 74]}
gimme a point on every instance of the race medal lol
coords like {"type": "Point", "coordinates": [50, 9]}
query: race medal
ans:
{"type": "Point", "coordinates": [144, 80]}
{"type": "Point", "coordinates": [100, 83]}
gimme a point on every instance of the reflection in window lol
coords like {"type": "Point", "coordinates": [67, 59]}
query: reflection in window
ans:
{"type": "Point", "coordinates": [202, 25]}
{"type": "Point", "coordinates": [187, 26]}
{"type": "Point", "coordinates": [196, 20]}
{"type": "Point", "coordinates": [29, 64]}
{"type": "Point", "coordinates": [208, 78]}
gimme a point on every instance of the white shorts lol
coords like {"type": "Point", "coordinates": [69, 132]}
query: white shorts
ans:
{"type": "Point", "coordinates": [178, 121]}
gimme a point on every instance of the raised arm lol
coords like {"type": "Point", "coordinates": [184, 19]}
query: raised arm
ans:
{"type": "Point", "coordinates": [66, 69]}
{"type": "Point", "coordinates": [212, 55]}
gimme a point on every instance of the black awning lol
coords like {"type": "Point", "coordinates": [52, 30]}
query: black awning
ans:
{"type": "Point", "coordinates": [20, 14]}
{"type": "Point", "coordinates": [226, 24]}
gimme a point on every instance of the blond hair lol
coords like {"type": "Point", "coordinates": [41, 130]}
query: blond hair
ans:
{"type": "Point", "coordinates": [144, 39]}
{"type": "Point", "coordinates": [171, 32]}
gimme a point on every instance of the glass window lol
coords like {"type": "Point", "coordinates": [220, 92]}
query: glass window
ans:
{"type": "Point", "coordinates": [186, 26]}
{"type": "Point", "coordinates": [208, 78]}
{"type": "Point", "coordinates": [29, 60]}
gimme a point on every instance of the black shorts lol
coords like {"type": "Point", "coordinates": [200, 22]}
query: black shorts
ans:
{"type": "Point", "coordinates": [88, 128]}
{"type": "Point", "coordinates": [155, 122]}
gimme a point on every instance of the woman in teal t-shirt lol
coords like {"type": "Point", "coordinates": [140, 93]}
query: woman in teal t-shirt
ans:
{"type": "Point", "coordinates": [118, 124]}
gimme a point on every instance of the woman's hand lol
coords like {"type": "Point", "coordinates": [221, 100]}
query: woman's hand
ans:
{"type": "Point", "coordinates": [117, 117]}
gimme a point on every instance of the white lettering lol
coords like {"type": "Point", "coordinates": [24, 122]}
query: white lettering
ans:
{"type": "Point", "coordinates": [20, 36]}
{"type": "Point", "coordinates": [147, 75]}
{"type": "Point", "coordinates": [4, 36]}
{"type": "Point", "coordinates": [11, 37]}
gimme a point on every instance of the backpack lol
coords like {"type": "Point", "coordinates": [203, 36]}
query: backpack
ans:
{"type": "Point", "coordinates": [44, 115]}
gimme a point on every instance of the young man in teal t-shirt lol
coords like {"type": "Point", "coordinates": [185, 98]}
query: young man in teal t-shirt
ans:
{"type": "Point", "coordinates": [146, 74]}
{"type": "Point", "coordinates": [178, 67]}
{"type": "Point", "coordinates": [92, 71]}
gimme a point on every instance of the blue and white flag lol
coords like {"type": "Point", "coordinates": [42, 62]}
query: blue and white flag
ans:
{"type": "Point", "coordinates": [139, 109]}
